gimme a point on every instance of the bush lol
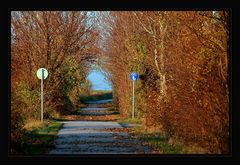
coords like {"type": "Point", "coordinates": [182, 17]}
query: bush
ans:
{"type": "Point", "coordinates": [24, 106]}
{"type": "Point", "coordinates": [30, 98]}
{"type": "Point", "coordinates": [17, 120]}
{"type": "Point", "coordinates": [49, 112]}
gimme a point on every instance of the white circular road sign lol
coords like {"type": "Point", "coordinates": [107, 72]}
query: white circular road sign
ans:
{"type": "Point", "coordinates": [40, 71]}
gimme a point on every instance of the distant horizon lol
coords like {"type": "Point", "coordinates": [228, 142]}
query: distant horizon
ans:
{"type": "Point", "coordinates": [98, 80]}
{"type": "Point", "coordinates": [102, 89]}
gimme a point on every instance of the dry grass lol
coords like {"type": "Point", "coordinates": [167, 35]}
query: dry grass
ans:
{"type": "Point", "coordinates": [127, 130]}
{"type": "Point", "coordinates": [30, 124]}
{"type": "Point", "coordinates": [130, 120]}
{"type": "Point", "coordinates": [89, 117]}
{"type": "Point", "coordinates": [191, 148]}
{"type": "Point", "coordinates": [195, 149]}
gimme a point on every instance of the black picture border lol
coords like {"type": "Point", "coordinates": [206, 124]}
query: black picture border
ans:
{"type": "Point", "coordinates": [98, 5]}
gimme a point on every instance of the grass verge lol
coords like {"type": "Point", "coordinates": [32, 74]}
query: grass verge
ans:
{"type": "Point", "coordinates": [159, 142]}
{"type": "Point", "coordinates": [130, 121]}
{"type": "Point", "coordinates": [39, 139]}
{"type": "Point", "coordinates": [96, 95]}
{"type": "Point", "coordinates": [113, 110]}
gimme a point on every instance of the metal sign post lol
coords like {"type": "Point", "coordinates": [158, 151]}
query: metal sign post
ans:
{"type": "Point", "coordinates": [42, 95]}
{"type": "Point", "coordinates": [42, 74]}
{"type": "Point", "coordinates": [133, 77]}
{"type": "Point", "coordinates": [133, 101]}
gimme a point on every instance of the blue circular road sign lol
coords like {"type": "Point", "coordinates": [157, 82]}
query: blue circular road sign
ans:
{"type": "Point", "coordinates": [133, 76]}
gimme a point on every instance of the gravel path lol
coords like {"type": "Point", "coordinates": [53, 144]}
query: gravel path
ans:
{"type": "Point", "coordinates": [94, 137]}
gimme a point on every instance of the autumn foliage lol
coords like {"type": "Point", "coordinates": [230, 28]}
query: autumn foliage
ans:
{"type": "Point", "coordinates": [65, 43]}
{"type": "Point", "coordinates": [182, 59]}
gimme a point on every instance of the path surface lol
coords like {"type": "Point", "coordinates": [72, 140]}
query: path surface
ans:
{"type": "Point", "coordinates": [96, 137]}
{"type": "Point", "coordinates": [93, 109]}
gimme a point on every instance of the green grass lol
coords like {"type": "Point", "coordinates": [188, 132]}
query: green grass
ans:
{"type": "Point", "coordinates": [94, 96]}
{"type": "Point", "coordinates": [154, 139]}
{"type": "Point", "coordinates": [160, 143]}
{"type": "Point", "coordinates": [40, 139]}
{"type": "Point", "coordinates": [130, 120]}
{"type": "Point", "coordinates": [100, 91]}
{"type": "Point", "coordinates": [111, 109]}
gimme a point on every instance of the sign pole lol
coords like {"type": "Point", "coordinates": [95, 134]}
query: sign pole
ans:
{"type": "Point", "coordinates": [42, 95]}
{"type": "Point", "coordinates": [133, 102]}
{"type": "Point", "coordinates": [42, 74]}
{"type": "Point", "coordinates": [133, 77]}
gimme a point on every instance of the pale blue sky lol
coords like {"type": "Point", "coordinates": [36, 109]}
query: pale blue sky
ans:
{"type": "Point", "coordinates": [98, 81]}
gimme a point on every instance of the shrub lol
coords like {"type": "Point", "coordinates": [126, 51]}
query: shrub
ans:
{"type": "Point", "coordinates": [24, 106]}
